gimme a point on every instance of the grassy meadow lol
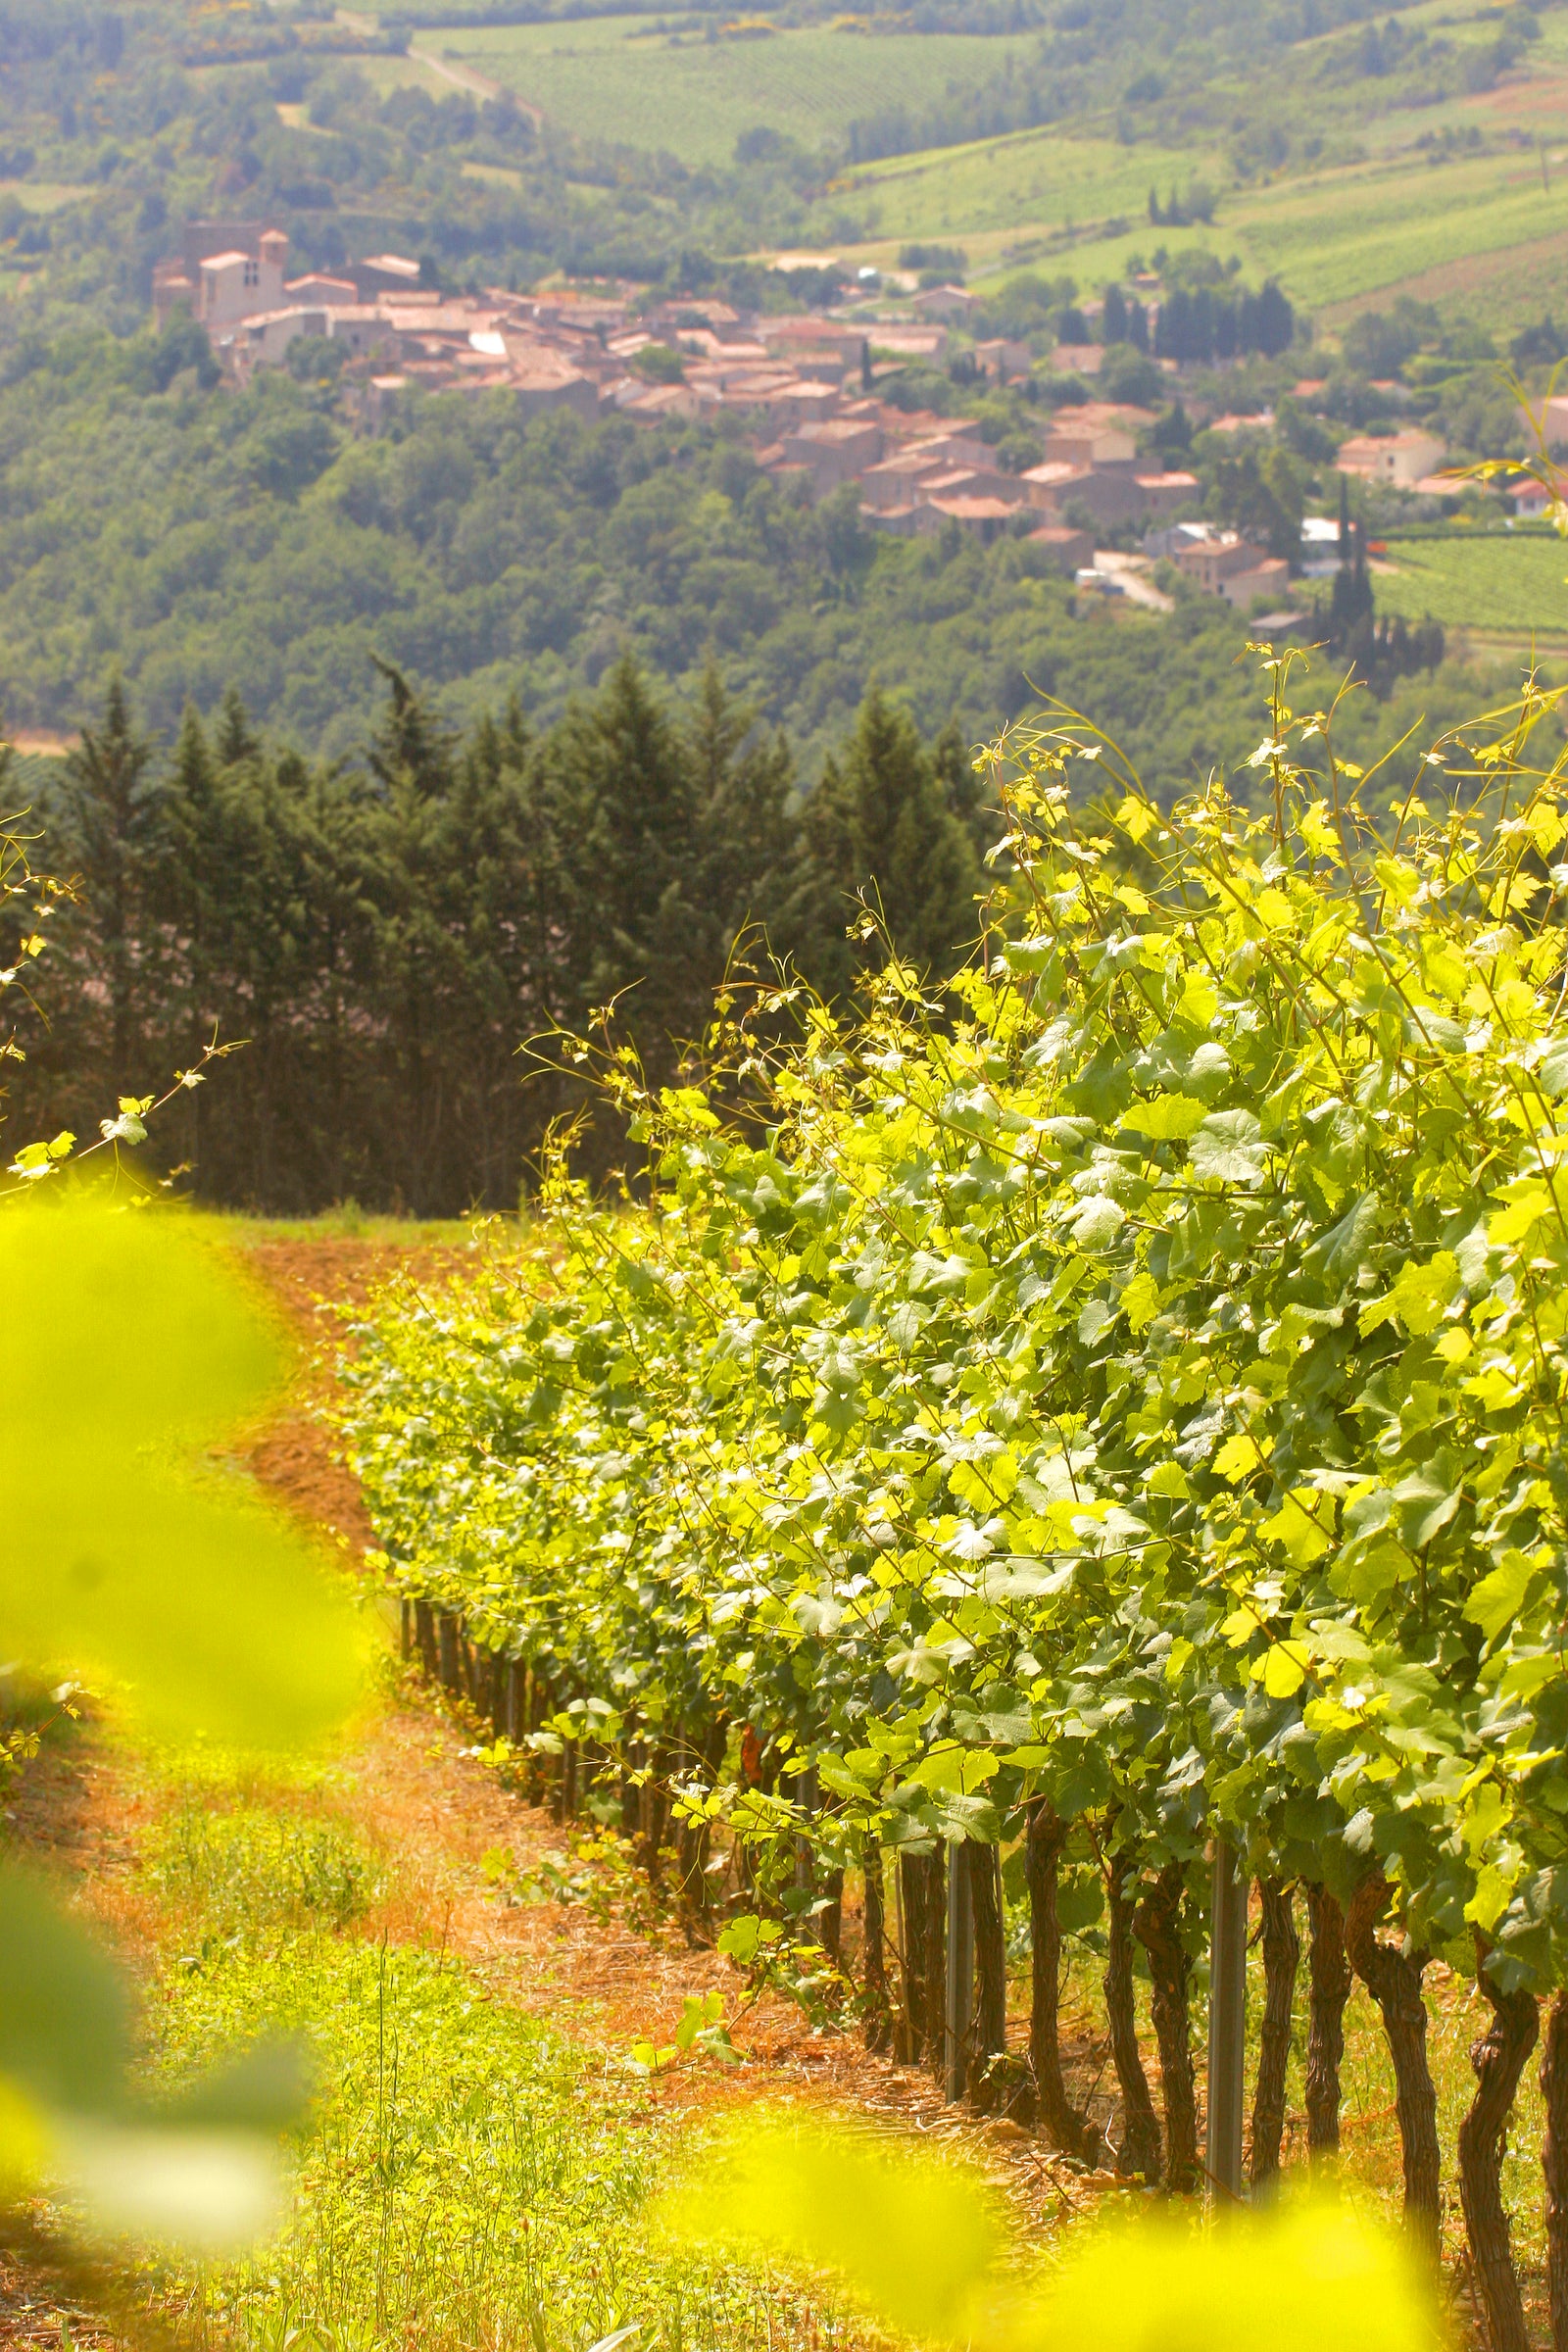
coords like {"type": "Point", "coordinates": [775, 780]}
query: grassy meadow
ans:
{"type": "Point", "coordinates": [470, 2175]}
{"type": "Point", "coordinates": [42, 195]}
{"type": "Point", "coordinates": [1048, 183]}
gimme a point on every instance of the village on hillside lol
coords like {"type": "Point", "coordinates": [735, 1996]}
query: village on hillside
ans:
{"type": "Point", "coordinates": [806, 385]}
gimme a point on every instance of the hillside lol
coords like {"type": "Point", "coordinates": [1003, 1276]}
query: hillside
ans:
{"type": "Point", "coordinates": [195, 531]}
{"type": "Point", "coordinates": [196, 541]}
{"type": "Point", "coordinates": [1352, 161]}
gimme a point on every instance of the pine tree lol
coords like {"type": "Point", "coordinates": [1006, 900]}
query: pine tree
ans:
{"type": "Point", "coordinates": [421, 953]}
{"type": "Point", "coordinates": [961, 788]}
{"type": "Point", "coordinates": [236, 740]}
{"type": "Point", "coordinates": [879, 826]}
{"type": "Point", "coordinates": [626, 808]}
{"type": "Point", "coordinates": [751, 875]}
{"type": "Point", "coordinates": [499, 838]}
{"type": "Point", "coordinates": [195, 877]}
{"type": "Point", "coordinates": [112, 840]}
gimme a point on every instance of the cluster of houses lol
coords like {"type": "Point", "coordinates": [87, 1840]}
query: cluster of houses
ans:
{"type": "Point", "coordinates": [805, 386]}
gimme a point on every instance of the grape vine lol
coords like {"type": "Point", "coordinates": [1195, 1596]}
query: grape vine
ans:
{"type": "Point", "coordinates": [1115, 1406]}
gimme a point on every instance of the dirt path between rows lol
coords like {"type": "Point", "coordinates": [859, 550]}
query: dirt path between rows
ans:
{"type": "Point", "coordinates": [408, 1783]}
{"type": "Point", "coordinates": [409, 1786]}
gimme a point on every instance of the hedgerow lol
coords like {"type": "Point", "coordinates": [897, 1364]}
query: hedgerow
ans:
{"type": "Point", "coordinates": [1114, 1406]}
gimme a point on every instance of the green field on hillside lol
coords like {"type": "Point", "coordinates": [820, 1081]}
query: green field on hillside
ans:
{"type": "Point", "coordinates": [618, 77]}
{"type": "Point", "coordinates": [1040, 180]}
{"type": "Point", "coordinates": [42, 195]}
{"type": "Point", "coordinates": [1487, 230]}
{"type": "Point", "coordinates": [1497, 583]}
{"type": "Point", "coordinates": [1334, 239]}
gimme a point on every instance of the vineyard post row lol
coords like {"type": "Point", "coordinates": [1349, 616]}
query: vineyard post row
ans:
{"type": "Point", "coordinates": [508, 1696]}
{"type": "Point", "coordinates": [500, 1688]}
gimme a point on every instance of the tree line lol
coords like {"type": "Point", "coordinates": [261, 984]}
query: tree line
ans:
{"type": "Point", "coordinates": [385, 933]}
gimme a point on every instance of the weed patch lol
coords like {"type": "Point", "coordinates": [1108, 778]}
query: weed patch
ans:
{"type": "Point", "coordinates": [465, 2177]}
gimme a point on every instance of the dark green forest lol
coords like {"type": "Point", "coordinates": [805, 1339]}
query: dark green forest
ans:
{"type": "Point", "coordinates": [381, 938]}
{"type": "Point", "coordinates": [401, 940]}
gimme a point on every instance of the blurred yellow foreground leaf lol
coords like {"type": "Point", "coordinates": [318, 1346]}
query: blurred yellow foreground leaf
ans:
{"type": "Point", "coordinates": [923, 2243]}
{"type": "Point", "coordinates": [131, 1343]}
{"type": "Point", "coordinates": [1296, 2278]}
{"type": "Point", "coordinates": [920, 2239]}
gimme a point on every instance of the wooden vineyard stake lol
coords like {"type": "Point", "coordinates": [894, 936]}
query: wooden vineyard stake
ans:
{"type": "Point", "coordinates": [961, 1973]}
{"type": "Point", "coordinates": [1227, 2024]}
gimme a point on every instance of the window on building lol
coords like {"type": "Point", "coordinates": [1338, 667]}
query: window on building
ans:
{"type": "Point", "coordinates": [253, 274]}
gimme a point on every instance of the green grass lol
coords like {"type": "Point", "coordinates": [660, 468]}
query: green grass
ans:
{"type": "Point", "coordinates": [468, 2177]}
{"type": "Point", "coordinates": [612, 78]}
{"type": "Point", "coordinates": [1334, 238]}
{"type": "Point", "coordinates": [253, 1872]}
{"type": "Point", "coordinates": [1480, 231]}
{"type": "Point", "coordinates": [1493, 583]}
{"type": "Point", "coordinates": [347, 1222]}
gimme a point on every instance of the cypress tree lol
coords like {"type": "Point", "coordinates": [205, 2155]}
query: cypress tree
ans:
{"type": "Point", "coordinates": [196, 876]}
{"type": "Point", "coordinates": [498, 839]}
{"type": "Point", "coordinates": [963, 789]}
{"type": "Point", "coordinates": [750, 868]}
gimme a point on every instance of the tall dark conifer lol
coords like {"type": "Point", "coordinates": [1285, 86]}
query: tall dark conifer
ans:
{"type": "Point", "coordinates": [627, 816]}
{"type": "Point", "coordinates": [111, 808]}
{"type": "Point", "coordinates": [880, 824]}
{"type": "Point", "coordinates": [751, 874]}
{"type": "Point", "coordinates": [420, 946]}
{"type": "Point", "coordinates": [383, 936]}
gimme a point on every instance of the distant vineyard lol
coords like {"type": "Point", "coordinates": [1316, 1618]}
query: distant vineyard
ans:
{"type": "Point", "coordinates": [1492, 583]}
{"type": "Point", "coordinates": [1332, 241]}
{"type": "Point", "coordinates": [612, 78]}
{"type": "Point", "coordinates": [1330, 237]}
